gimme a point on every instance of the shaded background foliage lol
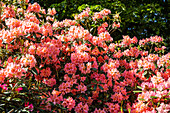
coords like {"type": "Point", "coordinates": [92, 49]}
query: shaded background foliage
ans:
{"type": "Point", "coordinates": [140, 18]}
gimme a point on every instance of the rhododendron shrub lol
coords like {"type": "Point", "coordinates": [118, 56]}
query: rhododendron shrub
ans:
{"type": "Point", "coordinates": [76, 66]}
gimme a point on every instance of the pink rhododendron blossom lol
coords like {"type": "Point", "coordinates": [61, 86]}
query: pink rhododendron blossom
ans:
{"type": "Point", "coordinates": [28, 60]}
{"type": "Point", "coordinates": [33, 7]}
{"type": "Point", "coordinates": [50, 82]}
{"type": "Point", "coordinates": [70, 68]}
{"type": "Point", "coordinates": [3, 86]}
{"type": "Point", "coordinates": [84, 13]}
{"type": "Point", "coordinates": [8, 13]}
{"type": "Point", "coordinates": [45, 72]}
{"type": "Point", "coordinates": [30, 107]}
{"type": "Point", "coordinates": [19, 89]}
{"type": "Point", "coordinates": [156, 39]}
{"type": "Point", "coordinates": [69, 103]}
{"type": "Point", "coordinates": [52, 12]}
{"type": "Point", "coordinates": [14, 70]}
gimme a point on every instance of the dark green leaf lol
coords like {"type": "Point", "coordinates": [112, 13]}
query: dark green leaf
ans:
{"type": "Point", "coordinates": [142, 99]}
{"type": "Point", "coordinates": [155, 65]}
{"type": "Point", "coordinates": [101, 87]}
{"type": "Point", "coordinates": [95, 86]}
{"type": "Point", "coordinates": [139, 87]}
{"type": "Point", "coordinates": [100, 49]}
{"type": "Point", "coordinates": [34, 35]}
{"type": "Point", "coordinates": [8, 98]}
{"type": "Point", "coordinates": [34, 71]}
{"type": "Point", "coordinates": [78, 96]}
{"type": "Point", "coordinates": [85, 96]}
{"type": "Point", "coordinates": [70, 75]}
{"type": "Point", "coordinates": [139, 70]}
{"type": "Point", "coordinates": [137, 91]}
{"type": "Point", "coordinates": [92, 47]}
{"type": "Point", "coordinates": [154, 97]}
{"type": "Point", "coordinates": [144, 73]}
{"type": "Point", "coordinates": [6, 92]}
{"type": "Point", "coordinates": [168, 67]}
{"type": "Point", "coordinates": [94, 69]}
{"type": "Point", "coordinates": [16, 99]}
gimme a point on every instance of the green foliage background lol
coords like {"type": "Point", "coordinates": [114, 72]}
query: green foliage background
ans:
{"type": "Point", "coordinates": [140, 18]}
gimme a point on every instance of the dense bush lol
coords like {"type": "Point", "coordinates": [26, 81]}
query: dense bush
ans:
{"type": "Point", "coordinates": [140, 18]}
{"type": "Point", "coordinates": [76, 66]}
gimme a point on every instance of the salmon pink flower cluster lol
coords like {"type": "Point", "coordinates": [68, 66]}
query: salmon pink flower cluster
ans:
{"type": "Point", "coordinates": [84, 13]}
{"type": "Point", "coordinates": [50, 82]}
{"type": "Point", "coordinates": [69, 103]}
{"type": "Point", "coordinates": [13, 70]}
{"type": "Point", "coordinates": [77, 65]}
{"type": "Point", "coordinates": [28, 60]}
{"type": "Point", "coordinates": [34, 7]}
{"type": "Point", "coordinates": [155, 95]}
{"type": "Point", "coordinates": [52, 11]}
{"type": "Point", "coordinates": [64, 23]}
{"type": "Point", "coordinates": [8, 13]}
{"type": "Point", "coordinates": [101, 14]}
{"type": "Point", "coordinates": [70, 68]}
{"type": "Point", "coordinates": [3, 86]}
